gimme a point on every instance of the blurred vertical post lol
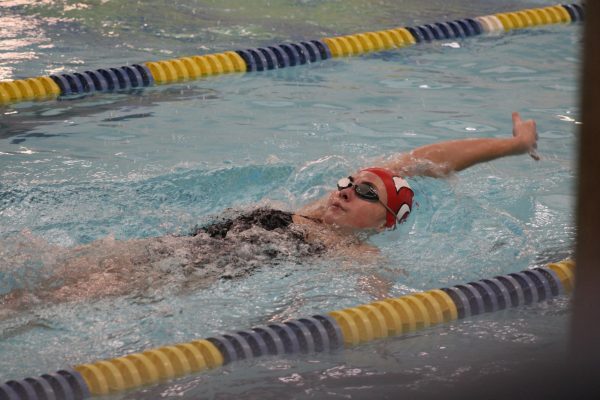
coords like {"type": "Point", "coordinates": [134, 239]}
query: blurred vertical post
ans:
{"type": "Point", "coordinates": [585, 323]}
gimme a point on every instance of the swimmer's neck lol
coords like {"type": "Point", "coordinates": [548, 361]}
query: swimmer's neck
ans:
{"type": "Point", "coordinates": [316, 222]}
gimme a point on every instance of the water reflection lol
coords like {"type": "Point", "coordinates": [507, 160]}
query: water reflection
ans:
{"type": "Point", "coordinates": [29, 118]}
{"type": "Point", "coordinates": [19, 35]}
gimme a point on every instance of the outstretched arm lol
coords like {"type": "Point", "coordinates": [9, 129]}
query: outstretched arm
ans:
{"type": "Point", "coordinates": [444, 158]}
{"type": "Point", "coordinates": [441, 159]}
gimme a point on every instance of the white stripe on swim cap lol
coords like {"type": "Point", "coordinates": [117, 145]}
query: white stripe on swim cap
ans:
{"type": "Point", "coordinates": [400, 183]}
{"type": "Point", "coordinates": [405, 209]}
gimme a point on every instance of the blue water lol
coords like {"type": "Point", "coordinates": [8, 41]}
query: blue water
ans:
{"type": "Point", "coordinates": [160, 161]}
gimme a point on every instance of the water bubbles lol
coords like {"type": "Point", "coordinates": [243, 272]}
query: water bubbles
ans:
{"type": "Point", "coordinates": [453, 45]}
{"type": "Point", "coordinates": [293, 378]}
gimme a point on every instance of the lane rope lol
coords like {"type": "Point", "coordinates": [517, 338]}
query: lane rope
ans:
{"type": "Point", "coordinates": [138, 76]}
{"type": "Point", "coordinates": [317, 333]}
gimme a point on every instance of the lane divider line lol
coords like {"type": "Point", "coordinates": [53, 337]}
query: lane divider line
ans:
{"type": "Point", "coordinates": [317, 333]}
{"type": "Point", "coordinates": [137, 76]}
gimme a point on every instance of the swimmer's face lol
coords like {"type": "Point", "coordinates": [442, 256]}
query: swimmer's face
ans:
{"type": "Point", "coordinates": [345, 209]}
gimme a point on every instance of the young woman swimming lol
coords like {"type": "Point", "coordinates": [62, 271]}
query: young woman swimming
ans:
{"type": "Point", "coordinates": [366, 202]}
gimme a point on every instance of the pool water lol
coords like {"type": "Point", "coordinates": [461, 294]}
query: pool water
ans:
{"type": "Point", "coordinates": [160, 161]}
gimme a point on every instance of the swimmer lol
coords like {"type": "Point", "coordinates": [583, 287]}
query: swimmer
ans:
{"type": "Point", "coordinates": [378, 198]}
{"type": "Point", "coordinates": [368, 201]}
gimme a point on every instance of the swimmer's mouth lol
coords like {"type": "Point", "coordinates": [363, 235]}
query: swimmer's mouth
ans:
{"type": "Point", "coordinates": [338, 206]}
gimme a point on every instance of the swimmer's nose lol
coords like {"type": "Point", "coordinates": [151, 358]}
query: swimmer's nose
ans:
{"type": "Point", "coordinates": [344, 193]}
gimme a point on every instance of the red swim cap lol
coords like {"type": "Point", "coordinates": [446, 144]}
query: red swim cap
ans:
{"type": "Point", "coordinates": [399, 195]}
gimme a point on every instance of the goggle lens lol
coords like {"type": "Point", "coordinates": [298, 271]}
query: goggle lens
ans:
{"type": "Point", "coordinates": [363, 190]}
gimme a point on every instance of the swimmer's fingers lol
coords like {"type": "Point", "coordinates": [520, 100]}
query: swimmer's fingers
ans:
{"type": "Point", "coordinates": [516, 124]}
{"type": "Point", "coordinates": [533, 150]}
{"type": "Point", "coordinates": [526, 132]}
{"type": "Point", "coordinates": [520, 126]}
{"type": "Point", "coordinates": [534, 154]}
{"type": "Point", "coordinates": [516, 119]}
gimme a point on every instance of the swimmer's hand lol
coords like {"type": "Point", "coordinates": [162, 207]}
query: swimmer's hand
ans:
{"type": "Point", "coordinates": [525, 133]}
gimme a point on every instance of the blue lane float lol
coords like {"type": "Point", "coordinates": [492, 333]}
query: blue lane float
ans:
{"type": "Point", "coordinates": [284, 55]}
{"type": "Point", "coordinates": [61, 385]}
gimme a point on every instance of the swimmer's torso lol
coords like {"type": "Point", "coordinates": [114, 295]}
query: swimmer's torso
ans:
{"type": "Point", "coordinates": [230, 247]}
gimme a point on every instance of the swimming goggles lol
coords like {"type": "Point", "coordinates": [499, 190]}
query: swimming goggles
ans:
{"type": "Point", "coordinates": [365, 191]}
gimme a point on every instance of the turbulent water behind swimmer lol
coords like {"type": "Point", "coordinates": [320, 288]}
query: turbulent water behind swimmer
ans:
{"type": "Point", "coordinates": [34, 271]}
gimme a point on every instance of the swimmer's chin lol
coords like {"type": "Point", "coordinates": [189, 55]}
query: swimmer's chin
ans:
{"type": "Point", "coordinates": [346, 229]}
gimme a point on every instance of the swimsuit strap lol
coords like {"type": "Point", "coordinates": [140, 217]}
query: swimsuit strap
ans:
{"type": "Point", "coordinates": [314, 219]}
